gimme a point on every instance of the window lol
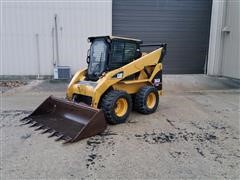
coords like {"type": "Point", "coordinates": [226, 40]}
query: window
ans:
{"type": "Point", "coordinates": [98, 57]}
{"type": "Point", "coordinates": [117, 51]}
{"type": "Point", "coordinates": [129, 52]}
{"type": "Point", "coordinates": [122, 52]}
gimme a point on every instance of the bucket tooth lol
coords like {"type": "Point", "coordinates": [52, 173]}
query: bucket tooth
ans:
{"type": "Point", "coordinates": [25, 119]}
{"type": "Point", "coordinates": [47, 130]}
{"type": "Point", "coordinates": [59, 138]}
{"type": "Point", "coordinates": [67, 139]}
{"type": "Point", "coordinates": [40, 127]}
{"type": "Point", "coordinates": [53, 134]}
{"type": "Point", "coordinates": [28, 122]}
{"type": "Point", "coordinates": [34, 124]}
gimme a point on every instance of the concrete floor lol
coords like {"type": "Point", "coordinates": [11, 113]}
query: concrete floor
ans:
{"type": "Point", "coordinates": [193, 134]}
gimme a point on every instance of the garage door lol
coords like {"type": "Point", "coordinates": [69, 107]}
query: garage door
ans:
{"type": "Point", "coordinates": [183, 24]}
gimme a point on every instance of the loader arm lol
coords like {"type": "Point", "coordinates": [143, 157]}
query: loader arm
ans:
{"type": "Point", "coordinates": [78, 76]}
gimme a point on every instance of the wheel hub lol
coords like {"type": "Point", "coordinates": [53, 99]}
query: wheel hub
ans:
{"type": "Point", "coordinates": [151, 100]}
{"type": "Point", "coordinates": [121, 107]}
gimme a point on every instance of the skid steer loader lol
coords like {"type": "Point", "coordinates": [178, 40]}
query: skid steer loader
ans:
{"type": "Point", "coordinates": [119, 78]}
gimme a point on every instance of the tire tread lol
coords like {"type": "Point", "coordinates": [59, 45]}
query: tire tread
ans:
{"type": "Point", "coordinates": [140, 100]}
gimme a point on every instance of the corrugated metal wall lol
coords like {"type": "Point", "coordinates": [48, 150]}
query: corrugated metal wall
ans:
{"type": "Point", "coordinates": [183, 24]}
{"type": "Point", "coordinates": [22, 21]}
{"type": "Point", "coordinates": [224, 49]}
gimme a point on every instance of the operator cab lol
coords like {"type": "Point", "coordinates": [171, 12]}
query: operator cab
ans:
{"type": "Point", "coordinates": [107, 53]}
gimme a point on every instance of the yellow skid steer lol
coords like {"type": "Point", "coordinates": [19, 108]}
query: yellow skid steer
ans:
{"type": "Point", "coordinates": [119, 78]}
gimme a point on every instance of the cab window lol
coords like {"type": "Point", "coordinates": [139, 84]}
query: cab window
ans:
{"type": "Point", "coordinates": [122, 53]}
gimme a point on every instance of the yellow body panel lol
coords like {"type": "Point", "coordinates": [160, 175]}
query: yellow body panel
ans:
{"type": "Point", "coordinates": [129, 88]}
{"type": "Point", "coordinates": [109, 80]}
{"type": "Point", "coordinates": [85, 90]}
{"type": "Point", "coordinates": [80, 75]}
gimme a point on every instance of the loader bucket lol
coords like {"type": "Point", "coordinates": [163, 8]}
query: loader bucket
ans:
{"type": "Point", "coordinates": [66, 120]}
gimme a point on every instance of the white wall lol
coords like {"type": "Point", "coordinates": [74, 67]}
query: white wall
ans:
{"type": "Point", "coordinates": [21, 21]}
{"type": "Point", "coordinates": [224, 45]}
{"type": "Point", "coordinates": [231, 41]}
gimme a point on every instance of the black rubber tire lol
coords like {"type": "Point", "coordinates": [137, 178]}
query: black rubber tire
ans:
{"type": "Point", "coordinates": [141, 99]}
{"type": "Point", "coordinates": [108, 105]}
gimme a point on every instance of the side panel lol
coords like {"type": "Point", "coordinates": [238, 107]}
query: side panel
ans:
{"type": "Point", "coordinates": [130, 88]}
{"type": "Point", "coordinates": [133, 86]}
